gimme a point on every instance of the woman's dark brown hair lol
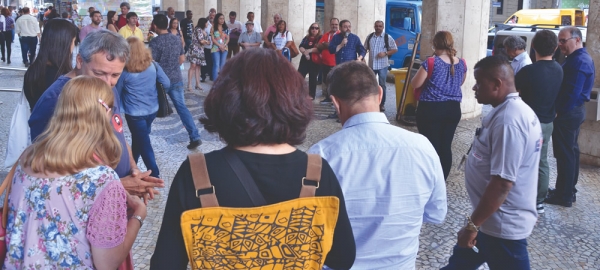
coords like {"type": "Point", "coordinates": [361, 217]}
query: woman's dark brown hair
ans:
{"type": "Point", "coordinates": [259, 98]}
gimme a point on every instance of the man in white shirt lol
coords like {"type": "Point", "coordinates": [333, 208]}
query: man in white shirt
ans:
{"type": "Point", "coordinates": [515, 49]}
{"type": "Point", "coordinates": [235, 29]}
{"type": "Point", "coordinates": [87, 20]}
{"type": "Point", "coordinates": [28, 29]}
{"type": "Point", "coordinates": [500, 175]}
{"type": "Point", "coordinates": [386, 204]}
{"type": "Point", "coordinates": [257, 27]}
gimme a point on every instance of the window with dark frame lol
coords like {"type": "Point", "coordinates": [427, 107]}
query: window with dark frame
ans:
{"type": "Point", "coordinates": [499, 10]}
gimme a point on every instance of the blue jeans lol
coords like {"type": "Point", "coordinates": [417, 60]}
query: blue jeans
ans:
{"type": "Point", "coordinates": [28, 44]}
{"type": "Point", "coordinates": [176, 94]}
{"type": "Point", "coordinates": [498, 253]}
{"type": "Point", "coordinates": [219, 59]}
{"type": "Point", "coordinates": [140, 127]}
{"type": "Point", "coordinates": [566, 151]}
{"type": "Point", "coordinates": [382, 75]}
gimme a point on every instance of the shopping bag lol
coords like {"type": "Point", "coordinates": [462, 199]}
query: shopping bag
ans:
{"type": "Point", "coordinates": [19, 136]}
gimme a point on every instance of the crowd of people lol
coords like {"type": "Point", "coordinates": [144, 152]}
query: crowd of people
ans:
{"type": "Point", "coordinates": [78, 184]}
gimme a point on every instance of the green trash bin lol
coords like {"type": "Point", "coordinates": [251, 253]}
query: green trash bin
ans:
{"type": "Point", "coordinates": [410, 103]}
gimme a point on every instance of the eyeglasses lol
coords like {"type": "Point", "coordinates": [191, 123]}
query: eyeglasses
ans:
{"type": "Point", "coordinates": [314, 28]}
{"type": "Point", "coordinates": [104, 105]}
{"type": "Point", "coordinates": [563, 41]}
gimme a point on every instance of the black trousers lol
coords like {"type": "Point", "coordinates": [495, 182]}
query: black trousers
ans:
{"type": "Point", "coordinates": [566, 151]}
{"type": "Point", "coordinates": [6, 39]}
{"type": "Point", "coordinates": [312, 69]}
{"type": "Point", "coordinates": [206, 71]}
{"type": "Point", "coordinates": [438, 121]}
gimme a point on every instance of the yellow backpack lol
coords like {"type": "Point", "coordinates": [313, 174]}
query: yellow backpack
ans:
{"type": "Point", "coordinates": [295, 234]}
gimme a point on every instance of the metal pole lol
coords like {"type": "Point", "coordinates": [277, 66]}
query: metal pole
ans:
{"type": "Point", "coordinates": [399, 113]}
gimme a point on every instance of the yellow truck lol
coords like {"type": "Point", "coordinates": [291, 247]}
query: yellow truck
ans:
{"type": "Point", "coordinates": [556, 17]}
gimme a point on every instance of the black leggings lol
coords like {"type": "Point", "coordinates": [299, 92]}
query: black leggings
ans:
{"type": "Point", "coordinates": [438, 121]}
{"type": "Point", "coordinates": [6, 42]}
{"type": "Point", "coordinates": [312, 69]}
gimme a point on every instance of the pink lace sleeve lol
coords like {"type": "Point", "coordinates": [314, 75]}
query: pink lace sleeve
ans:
{"type": "Point", "coordinates": [107, 224]}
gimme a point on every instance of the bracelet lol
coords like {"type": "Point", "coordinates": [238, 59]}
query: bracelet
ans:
{"type": "Point", "coordinates": [138, 219]}
{"type": "Point", "coordinates": [470, 226]}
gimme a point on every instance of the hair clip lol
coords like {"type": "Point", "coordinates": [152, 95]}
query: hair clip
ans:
{"type": "Point", "coordinates": [104, 104]}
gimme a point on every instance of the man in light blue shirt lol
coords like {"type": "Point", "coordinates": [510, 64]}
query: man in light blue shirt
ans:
{"type": "Point", "coordinates": [516, 49]}
{"type": "Point", "coordinates": [392, 178]}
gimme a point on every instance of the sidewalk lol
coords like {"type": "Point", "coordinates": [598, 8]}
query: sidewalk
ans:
{"type": "Point", "coordinates": [564, 238]}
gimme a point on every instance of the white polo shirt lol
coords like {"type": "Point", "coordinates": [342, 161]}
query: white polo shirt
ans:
{"type": "Point", "coordinates": [507, 145]}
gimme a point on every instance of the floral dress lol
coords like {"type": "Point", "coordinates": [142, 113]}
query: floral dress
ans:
{"type": "Point", "coordinates": [196, 52]}
{"type": "Point", "coordinates": [53, 222]}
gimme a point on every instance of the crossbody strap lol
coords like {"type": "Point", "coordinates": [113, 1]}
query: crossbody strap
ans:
{"type": "Point", "coordinates": [245, 178]}
{"type": "Point", "coordinates": [310, 183]}
{"type": "Point", "coordinates": [205, 191]}
{"type": "Point", "coordinates": [6, 185]}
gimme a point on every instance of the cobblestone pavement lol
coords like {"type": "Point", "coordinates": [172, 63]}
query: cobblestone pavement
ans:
{"type": "Point", "coordinates": [564, 238]}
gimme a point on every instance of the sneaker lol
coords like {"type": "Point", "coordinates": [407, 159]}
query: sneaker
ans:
{"type": "Point", "coordinates": [194, 144]}
{"type": "Point", "coordinates": [540, 208]}
{"type": "Point", "coordinates": [326, 100]}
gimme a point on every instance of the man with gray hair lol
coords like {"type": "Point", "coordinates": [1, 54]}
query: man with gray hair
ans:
{"type": "Point", "coordinates": [579, 73]}
{"type": "Point", "coordinates": [515, 49]}
{"type": "Point", "coordinates": [103, 55]}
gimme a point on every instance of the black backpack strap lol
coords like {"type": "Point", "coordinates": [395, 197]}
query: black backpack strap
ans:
{"type": "Point", "coordinates": [245, 178]}
{"type": "Point", "coordinates": [310, 183]}
{"type": "Point", "coordinates": [205, 191]}
{"type": "Point", "coordinates": [369, 41]}
{"type": "Point", "coordinates": [386, 41]}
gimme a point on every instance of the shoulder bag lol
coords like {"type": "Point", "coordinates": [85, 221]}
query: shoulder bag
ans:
{"type": "Point", "coordinates": [164, 109]}
{"type": "Point", "coordinates": [19, 136]}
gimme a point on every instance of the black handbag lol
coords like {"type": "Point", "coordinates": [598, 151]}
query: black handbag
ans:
{"type": "Point", "coordinates": [164, 109]}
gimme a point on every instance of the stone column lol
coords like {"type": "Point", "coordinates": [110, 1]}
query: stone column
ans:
{"type": "Point", "coordinates": [467, 20]}
{"type": "Point", "coordinates": [361, 13]}
{"type": "Point", "coordinates": [178, 5]}
{"type": "Point", "coordinates": [241, 7]}
{"type": "Point", "coordinates": [589, 144]}
{"type": "Point", "coordinates": [298, 14]}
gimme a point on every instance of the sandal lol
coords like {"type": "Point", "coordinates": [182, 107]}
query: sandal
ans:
{"type": "Point", "coordinates": [189, 88]}
{"type": "Point", "coordinates": [198, 88]}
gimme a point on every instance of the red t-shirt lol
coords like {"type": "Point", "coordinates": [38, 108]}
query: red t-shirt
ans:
{"type": "Point", "coordinates": [328, 58]}
{"type": "Point", "coordinates": [123, 21]}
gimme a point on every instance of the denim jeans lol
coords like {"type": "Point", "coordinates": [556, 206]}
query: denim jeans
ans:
{"type": "Point", "coordinates": [544, 170]}
{"type": "Point", "coordinates": [176, 94]}
{"type": "Point", "coordinates": [566, 151]}
{"type": "Point", "coordinates": [140, 127]}
{"type": "Point", "coordinates": [382, 75]}
{"type": "Point", "coordinates": [28, 44]}
{"type": "Point", "coordinates": [437, 121]}
{"type": "Point", "coordinates": [496, 252]}
{"type": "Point", "coordinates": [219, 59]}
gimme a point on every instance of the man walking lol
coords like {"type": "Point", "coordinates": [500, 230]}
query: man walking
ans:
{"type": "Point", "coordinates": [28, 29]}
{"type": "Point", "coordinates": [500, 175]}
{"type": "Point", "coordinates": [250, 38]}
{"type": "Point", "coordinates": [378, 196]}
{"type": "Point", "coordinates": [92, 27]}
{"type": "Point", "coordinates": [578, 80]}
{"type": "Point", "coordinates": [538, 85]}
{"type": "Point", "coordinates": [235, 29]}
{"type": "Point", "coordinates": [515, 49]}
{"type": "Point", "coordinates": [167, 51]}
{"type": "Point", "coordinates": [187, 29]}
{"type": "Point", "coordinates": [327, 58]}
{"type": "Point", "coordinates": [380, 47]}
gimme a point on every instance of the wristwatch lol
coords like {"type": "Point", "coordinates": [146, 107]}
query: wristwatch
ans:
{"type": "Point", "coordinates": [139, 219]}
{"type": "Point", "coordinates": [470, 226]}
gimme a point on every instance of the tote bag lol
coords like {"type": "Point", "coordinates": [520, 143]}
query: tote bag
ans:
{"type": "Point", "coordinates": [19, 136]}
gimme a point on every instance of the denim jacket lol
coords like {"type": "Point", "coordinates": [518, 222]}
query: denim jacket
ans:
{"type": "Point", "coordinates": [138, 90]}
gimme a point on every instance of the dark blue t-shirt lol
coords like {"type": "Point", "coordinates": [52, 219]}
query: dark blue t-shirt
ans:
{"type": "Point", "coordinates": [44, 109]}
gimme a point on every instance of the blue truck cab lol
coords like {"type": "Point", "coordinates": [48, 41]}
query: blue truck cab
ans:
{"type": "Point", "coordinates": [403, 22]}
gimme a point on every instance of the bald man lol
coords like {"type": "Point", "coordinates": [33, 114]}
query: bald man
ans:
{"type": "Point", "coordinates": [500, 175]}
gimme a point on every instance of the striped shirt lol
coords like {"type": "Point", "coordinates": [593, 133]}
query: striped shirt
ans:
{"type": "Point", "coordinates": [377, 45]}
